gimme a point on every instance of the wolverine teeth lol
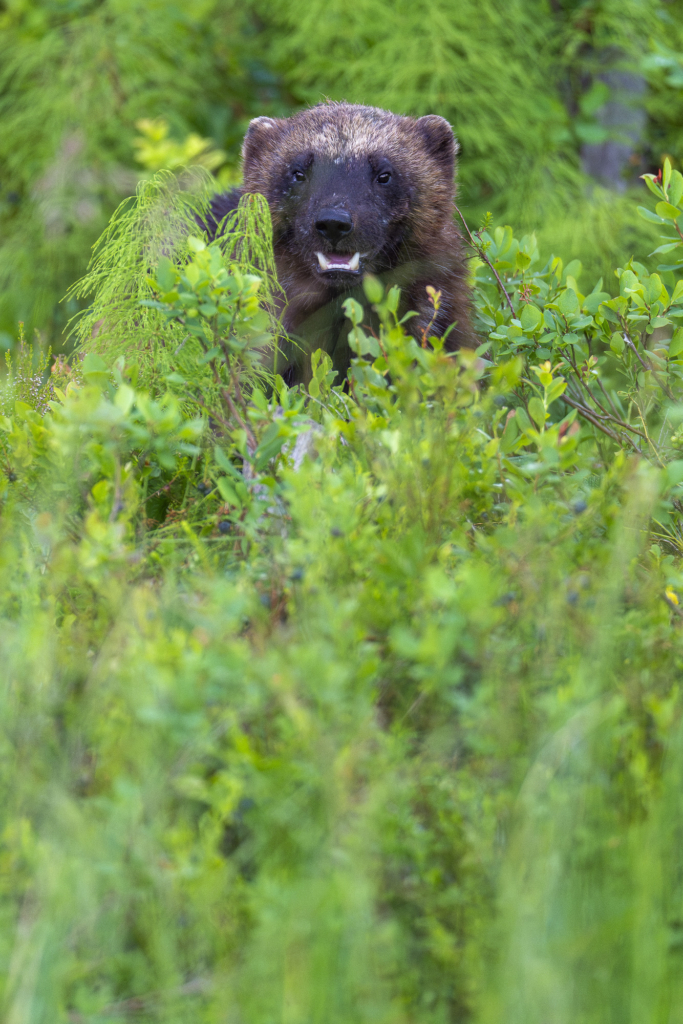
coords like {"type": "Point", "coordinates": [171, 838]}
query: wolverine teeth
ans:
{"type": "Point", "coordinates": [336, 263]}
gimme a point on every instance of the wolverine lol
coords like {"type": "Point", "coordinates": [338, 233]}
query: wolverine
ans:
{"type": "Point", "coordinates": [355, 190]}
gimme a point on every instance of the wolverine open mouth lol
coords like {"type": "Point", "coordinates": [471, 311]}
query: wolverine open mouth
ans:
{"type": "Point", "coordinates": [339, 261]}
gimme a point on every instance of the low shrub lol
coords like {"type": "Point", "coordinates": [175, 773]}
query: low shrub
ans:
{"type": "Point", "coordinates": [342, 703]}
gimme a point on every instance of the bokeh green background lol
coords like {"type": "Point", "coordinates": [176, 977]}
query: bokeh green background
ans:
{"type": "Point", "coordinates": [524, 82]}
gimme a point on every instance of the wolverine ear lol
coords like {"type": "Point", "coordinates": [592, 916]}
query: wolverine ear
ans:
{"type": "Point", "coordinates": [439, 140]}
{"type": "Point", "coordinates": [261, 134]}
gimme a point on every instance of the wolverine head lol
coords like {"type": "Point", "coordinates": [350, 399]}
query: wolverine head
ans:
{"type": "Point", "coordinates": [351, 188]}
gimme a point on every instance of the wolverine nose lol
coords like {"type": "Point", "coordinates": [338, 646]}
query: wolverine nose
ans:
{"type": "Point", "coordinates": [333, 224]}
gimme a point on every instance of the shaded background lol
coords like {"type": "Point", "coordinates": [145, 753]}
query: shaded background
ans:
{"type": "Point", "coordinates": [558, 105]}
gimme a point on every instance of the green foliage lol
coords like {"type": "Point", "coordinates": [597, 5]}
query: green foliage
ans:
{"type": "Point", "coordinates": [125, 318]}
{"type": "Point", "coordinates": [344, 702]}
{"type": "Point", "coordinates": [76, 79]}
{"type": "Point", "coordinates": [619, 356]}
{"type": "Point", "coordinates": [341, 703]}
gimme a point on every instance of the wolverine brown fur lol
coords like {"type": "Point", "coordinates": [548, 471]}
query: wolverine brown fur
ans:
{"type": "Point", "coordinates": [351, 190]}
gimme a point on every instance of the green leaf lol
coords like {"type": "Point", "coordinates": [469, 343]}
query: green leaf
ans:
{"type": "Point", "coordinates": [666, 174]}
{"type": "Point", "coordinates": [208, 356]}
{"type": "Point", "coordinates": [523, 421]}
{"type": "Point", "coordinates": [674, 473]}
{"type": "Point", "coordinates": [228, 492]}
{"type": "Point", "coordinates": [537, 411]}
{"type": "Point", "coordinates": [270, 447]}
{"type": "Point", "coordinates": [676, 187]}
{"type": "Point", "coordinates": [166, 275]}
{"type": "Point", "coordinates": [554, 390]}
{"type": "Point", "coordinates": [573, 269]}
{"type": "Point", "coordinates": [522, 261]}
{"type": "Point", "coordinates": [393, 297]}
{"type": "Point", "coordinates": [353, 311]}
{"type": "Point", "coordinates": [649, 180]}
{"type": "Point", "coordinates": [224, 463]}
{"type": "Point", "coordinates": [593, 301]}
{"type": "Point", "coordinates": [510, 435]}
{"type": "Point", "coordinates": [667, 211]}
{"type": "Point", "coordinates": [654, 288]}
{"type": "Point", "coordinates": [95, 370]}
{"type": "Point", "coordinates": [531, 318]}
{"type": "Point", "coordinates": [617, 344]}
{"type": "Point", "coordinates": [665, 248]}
{"type": "Point", "coordinates": [124, 398]}
{"type": "Point", "coordinates": [569, 302]}
{"type": "Point", "coordinates": [608, 313]}
{"type": "Point", "coordinates": [373, 288]}
{"type": "Point", "coordinates": [676, 346]}
{"type": "Point", "coordinates": [649, 215]}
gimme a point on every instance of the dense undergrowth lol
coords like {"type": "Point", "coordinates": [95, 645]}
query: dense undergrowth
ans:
{"type": "Point", "coordinates": [342, 703]}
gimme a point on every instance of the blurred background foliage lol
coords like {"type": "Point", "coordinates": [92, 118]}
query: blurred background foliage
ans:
{"type": "Point", "coordinates": [558, 106]}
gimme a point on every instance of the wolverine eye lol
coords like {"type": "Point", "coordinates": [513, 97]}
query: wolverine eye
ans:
{"type": "Point", "coordinates": [384, 178]}
{"type": "Point", "coordinates": [298, 175]}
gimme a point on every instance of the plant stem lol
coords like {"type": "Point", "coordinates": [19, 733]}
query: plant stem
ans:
{"type": "Point", "coordinates": [481, 252]}
{"type": "Point", "coordinates": [593, 418]}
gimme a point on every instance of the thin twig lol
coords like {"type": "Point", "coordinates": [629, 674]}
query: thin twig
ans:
{"type": "Point", "coordinates": [117, 504]}
{"type": "Point", "coordinates": [228, 398]}
{"type": "Point", "coordinates": [233, 408]}
{"type": "Point", "coordinates": [213, 414]}
{"type": "Point", "coordinates": [482, 255]}
{"type": "Point", "coordinates": [613, 419]}
{"type": "Point", "coordinates": [648, 368]}
{"type": "Point", "coordinates": [642, 362]}
{"type": "Point", "coordinates": [593, 418]}
{"type": "Point", "coordinates": [585, 386]}
{"type": "Point", "coordinates": [607, 396]}
{"type": "Point", "coordinates": [649, 439]}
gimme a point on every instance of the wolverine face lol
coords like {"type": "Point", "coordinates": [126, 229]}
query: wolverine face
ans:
{"type": "Point", "coordinates": [348, 188]}
{"type": "Point", "coordinates": [338, 217]}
